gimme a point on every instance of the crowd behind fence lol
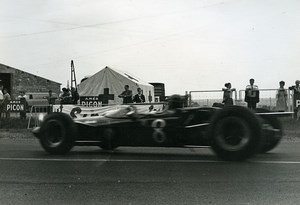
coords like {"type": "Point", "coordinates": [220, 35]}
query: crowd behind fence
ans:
{"type": "Point", "coordinates": [206, 98]}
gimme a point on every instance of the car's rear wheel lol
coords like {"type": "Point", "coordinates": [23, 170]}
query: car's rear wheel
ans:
{"type": "Point", "coordinates": [272, 130]}
{"type": "Point", "coordinates": [57, 133]}
{"type": "Point", "coordinates": [235, 133]}
{"type": "Point", "coordinates": [109, 139]}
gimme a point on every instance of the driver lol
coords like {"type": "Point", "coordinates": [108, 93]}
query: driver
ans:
{"type": "Point", "coordinates": [175, 102]}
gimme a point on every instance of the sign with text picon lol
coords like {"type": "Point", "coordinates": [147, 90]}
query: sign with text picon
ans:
{"type": "Point", "coordinates": [97, 101]}
{"type": "Point", "coordinates": [90, 101]}
{"type": "Point", "coordinates": [15, 106]}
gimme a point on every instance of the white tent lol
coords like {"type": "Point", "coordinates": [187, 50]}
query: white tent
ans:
{"type": "Point", "coordinates": [115, 81]}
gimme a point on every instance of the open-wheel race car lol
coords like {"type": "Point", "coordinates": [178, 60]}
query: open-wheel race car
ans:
{"type": "Point", "coordinates": [234, 133]}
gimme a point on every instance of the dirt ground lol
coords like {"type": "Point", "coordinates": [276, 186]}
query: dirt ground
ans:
{"type": "Point", "coordinates": [16, 134]}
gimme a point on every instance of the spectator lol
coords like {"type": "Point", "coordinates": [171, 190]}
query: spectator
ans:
{"type": "Point", "coordinates": [227, 95]}
{"type": "Point", "coordinates": [6, 101]}
{"type": "Point", "coordinates": [126, 95]}
{"type": "Point", "coordinates": [150, 97]}
{"type": "Point", "coordinates": [75, 95]}
{"type": "Point", "coordinates": [281, 98]}
{"type": "Point", "coordinates": [252, 94]}
{"type": "Point", "coordinates": [22, 98]}
{"type": "Point", "coordinates": [51, 100]}
{"type": "Point", "coordinates": [139, 97]}
{"type": "Point", "coordinates": [65, 97]}
{"type": "Point", "coordinates": [1, 98]}
{"type": "Point", "coordinates": [296, 96]}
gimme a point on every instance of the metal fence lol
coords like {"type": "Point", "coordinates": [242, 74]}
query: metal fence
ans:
{"type": "Point", "coordinates": [34, 113]}
{"type": "Point", "coordinates": [206, 98]}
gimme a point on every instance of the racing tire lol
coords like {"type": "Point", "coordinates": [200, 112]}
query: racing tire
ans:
{"type": "Point", "coordinates": [109, 141]}
{"type": "Point", "coordinates": [272, 130]}
{"type": "Point", "coordinates": [57, 133]}
{"type": "Point", "coordinates": [235, 133]}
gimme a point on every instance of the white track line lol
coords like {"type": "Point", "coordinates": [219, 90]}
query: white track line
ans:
{"type": "Point", "coordinates": [140, 160]}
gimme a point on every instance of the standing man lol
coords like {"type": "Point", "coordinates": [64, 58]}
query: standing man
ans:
{"type": "Point", "coordinates": [51, 100]}
{"type": "Point", "coordinates": [126, 95]}
{"type": "Point", "coordinates": [139, 97]}
{"type": "Point", "coordinates": [296, 97]}
{"type": "Point", "coordinates": [22, 98]}
{"type": "Point", "coordinates": [252, 94]}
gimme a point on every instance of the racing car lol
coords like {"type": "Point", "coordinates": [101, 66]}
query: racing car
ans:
{"type": "Point", "coordinates": [234, 133]}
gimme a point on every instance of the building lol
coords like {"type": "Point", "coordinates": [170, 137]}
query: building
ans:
{"type": "Point", "coordinates": [159, 91]}
{"type": "Point", "coordinates": [15, 80]}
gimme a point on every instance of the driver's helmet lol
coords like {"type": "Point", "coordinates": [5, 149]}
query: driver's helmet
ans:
{"type": "Point", "coordinates": [175, 101]}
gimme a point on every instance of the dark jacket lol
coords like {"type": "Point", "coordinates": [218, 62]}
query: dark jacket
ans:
{"type": "Point", "coordinates": [139, 98]}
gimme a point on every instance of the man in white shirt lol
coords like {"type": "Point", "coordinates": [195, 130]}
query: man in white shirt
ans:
{"type": "Point", "coordinates": [252, 94]}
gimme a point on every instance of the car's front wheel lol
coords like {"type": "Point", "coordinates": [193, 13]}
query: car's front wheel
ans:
{"type": "Point", "coordinates": [272, 130]}
{"type": "Point", "coordinates": [57, 133]}
{"type": "Point", "coordinates": [235, 133]}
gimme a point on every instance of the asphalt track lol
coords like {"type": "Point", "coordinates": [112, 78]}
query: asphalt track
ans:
{"type": "Point", "coordinates": [89, 175]}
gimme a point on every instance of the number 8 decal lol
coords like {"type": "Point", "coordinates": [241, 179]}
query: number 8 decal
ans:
{"type": "Point", "coordinates": [158, 134]}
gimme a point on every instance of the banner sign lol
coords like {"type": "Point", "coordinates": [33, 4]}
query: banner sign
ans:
{"type": "Point", "coordinates": [79, 111]}
{"type": "Point", "coordinates": [90, 101]}
{"type": "Point", "coordinates": [297, 103]}
{"type": "Point", "coordinates": [97, 101]}
{"type": "Point", "coordinates": [296, 100]}
{"type": "Point", "coordinates": [15, 106]}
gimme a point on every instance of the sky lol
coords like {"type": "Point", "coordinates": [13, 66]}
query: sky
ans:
{"type": "Point", "coordinates": [188, 45]}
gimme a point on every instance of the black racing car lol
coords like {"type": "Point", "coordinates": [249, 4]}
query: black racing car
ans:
{"type": "Point", "coordinates": [234, 132]}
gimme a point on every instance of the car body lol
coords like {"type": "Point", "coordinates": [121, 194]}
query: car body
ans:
{"type": "Point", "coordinates": [233, 132]}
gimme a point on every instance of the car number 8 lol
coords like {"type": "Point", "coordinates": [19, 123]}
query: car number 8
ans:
{"type": "Point", "coordinates": [158, 133]}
